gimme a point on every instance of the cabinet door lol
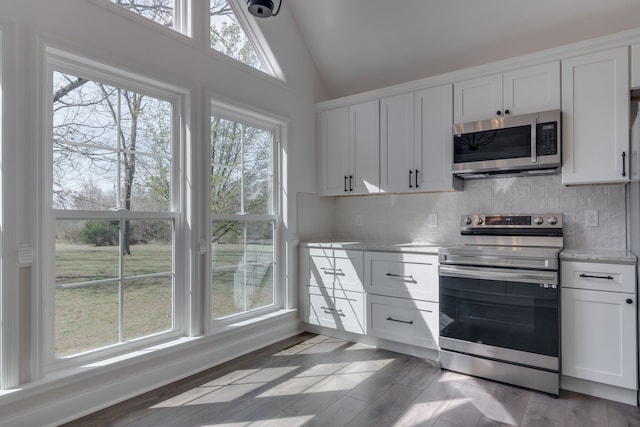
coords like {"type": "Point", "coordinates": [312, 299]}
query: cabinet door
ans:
{"type": "Point", "coordinates": [434, 139]}
{"type": "Point", "coordinates": [531, 89]}
{"type": "Point", "coordinates": [599, 337]}
{"type": "Point", "coordinates": [397, 170]}
{"type": "Point", "coordinates": [364, 171]}
{"type": "Point", "coordinates": [334, 150]}
{"type": "Point", "coordinates": [595, 105]}
{"type": "Point", "coordinates": [477, 99]}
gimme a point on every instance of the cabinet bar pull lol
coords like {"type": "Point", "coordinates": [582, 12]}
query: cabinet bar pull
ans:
{"type": "Point", "coordinates": [410, 177]}
{"type": "Point", "coordinates": [350, 182]}
{"type": "Point", "coordinates": [408, 278]}
{"type": "Point", "coordinates": [417, 172]}
{"type": "Point", "coordinates": [408, 322]}
{"type": "Point", "coordinates": [332, 271]}
{"type": "Point", "coordinates": [588, 276]}
{"type": "Point", "coordinates": [345, 183]}
{"type": "Point", "coordinates": [624, 171]}
{"type": "Point", "coordinates": [329, 309]}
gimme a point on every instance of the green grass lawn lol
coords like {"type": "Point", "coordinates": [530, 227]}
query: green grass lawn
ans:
{"type": "Point", "coordinates": [87, 317]}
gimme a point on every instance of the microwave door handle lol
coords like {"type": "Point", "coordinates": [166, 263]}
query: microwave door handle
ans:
{"type": "Point", "coordinates": [534, 141]}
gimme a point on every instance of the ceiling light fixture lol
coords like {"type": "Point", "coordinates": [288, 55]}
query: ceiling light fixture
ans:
{"type": "Point", "coordinates": [262, 8]}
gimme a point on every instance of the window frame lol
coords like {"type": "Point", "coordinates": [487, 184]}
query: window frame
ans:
{"type": "Point", "coordinates": [66, 62]}
{"type": "Point", "coordinates": [182, 20]}
{"type": "Point", "coordinates": [227, 110]}
{"type": "Point", "coordinates": [252, 31]}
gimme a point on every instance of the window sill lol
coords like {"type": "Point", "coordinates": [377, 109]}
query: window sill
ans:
{"type": "Point", "coordinates": [132, 363]}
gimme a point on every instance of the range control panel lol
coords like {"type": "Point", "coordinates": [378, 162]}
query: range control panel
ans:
{"type": "Point", "coordinates": [511, 221]}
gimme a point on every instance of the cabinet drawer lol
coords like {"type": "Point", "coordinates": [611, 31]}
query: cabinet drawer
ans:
{"type": "Point", "coordinates": [345, 313]}
{"type": "Point", "coordinates": [343, 273]}
{"type": "Point", "coordinates": [400, 275]}
{"type": "Point", "coordinates": [403, 320]}
{"type": "Point", "coordinates": [598, 277]}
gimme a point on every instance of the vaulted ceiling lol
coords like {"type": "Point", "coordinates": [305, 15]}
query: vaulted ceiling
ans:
{"type": "Point", "coordinates": [360, 45]}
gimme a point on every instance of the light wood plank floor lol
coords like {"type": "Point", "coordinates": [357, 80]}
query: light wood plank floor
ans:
{"type": "Point", "coordinates": [314, 380]}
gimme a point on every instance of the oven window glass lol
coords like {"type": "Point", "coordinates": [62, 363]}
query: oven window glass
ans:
{"type": "Point", "coordinates": [514, 315]}
{"type": "Point", "coordinates": [509, 143]}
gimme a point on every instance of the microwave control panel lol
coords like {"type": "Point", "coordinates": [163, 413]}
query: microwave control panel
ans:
{"type": "Point", "coordinates": [547, 140]}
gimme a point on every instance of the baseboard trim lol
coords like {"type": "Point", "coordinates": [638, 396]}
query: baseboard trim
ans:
{"type": "Point", "coordinates": [604, 391]}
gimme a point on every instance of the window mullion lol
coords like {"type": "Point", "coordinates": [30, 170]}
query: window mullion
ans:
{"type": "Point", "coordinates": [121, 282]}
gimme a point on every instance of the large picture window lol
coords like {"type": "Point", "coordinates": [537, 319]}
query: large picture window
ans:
{"type": "Point", "coordinates": [113, 211]}
{"type": "Point", "coordinates": [244, 216]}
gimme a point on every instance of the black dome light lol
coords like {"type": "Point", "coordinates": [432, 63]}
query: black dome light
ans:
{"type": "Point", "coordinates": [262, 8]}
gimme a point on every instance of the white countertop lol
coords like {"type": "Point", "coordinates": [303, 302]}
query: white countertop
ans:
{"type": "Point", "coordinates": [416, 247]}
{"type": "Point", "coordinates": [599, 255]}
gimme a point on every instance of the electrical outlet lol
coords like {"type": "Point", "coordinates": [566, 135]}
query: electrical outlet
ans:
{"type": "Point", "coordinates": [359, 220]}
{"type": "Point", "coordinates": [432, 220]}
{"type": "Point", "coordinates": [591, 218]}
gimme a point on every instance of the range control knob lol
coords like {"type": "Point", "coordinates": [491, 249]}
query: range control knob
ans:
{"type": "Point", "coordinates": [537, 220]}
{"type": "Point", "coordinates": [552, 220]}
{"type": "Point", "coordinates": [479, 221]}
{"type": "Point", "coordinates": [467, 220]}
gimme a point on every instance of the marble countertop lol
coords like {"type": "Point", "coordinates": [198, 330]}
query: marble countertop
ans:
{"type": "Point", "coordinates": [416, 247]}
{"type": "Point", "coordinates": [599, 255]}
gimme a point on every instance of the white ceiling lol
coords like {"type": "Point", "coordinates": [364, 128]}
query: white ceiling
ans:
{"type": "Point", "coordinates": [360, 45]}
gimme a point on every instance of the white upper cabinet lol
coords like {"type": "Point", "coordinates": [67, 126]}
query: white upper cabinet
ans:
{"type": "Point", "coordinates": [595, 105]}
{"type": "Point", "coordinates": [635, 66]}
{"type": "Point", "coordinates": [349, 149]}
{"type": "Point", "coordinates": [521, 91]}
{"type": "Point", "coordinates": [434, 139]}
{"type": "Point", "coordinates": [397, 144]}
{"type": "Point", "coordinates": [416, 141]}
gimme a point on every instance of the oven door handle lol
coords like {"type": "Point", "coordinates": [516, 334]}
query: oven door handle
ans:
{"type": "Point", "coordinates": [524, 276]}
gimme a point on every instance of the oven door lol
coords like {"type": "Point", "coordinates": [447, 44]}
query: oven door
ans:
{"type": "Point", "coordinates": [500, 313]}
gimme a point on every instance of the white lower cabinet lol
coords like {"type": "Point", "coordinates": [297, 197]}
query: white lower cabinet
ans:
{"type": "Point", "coordinates": [388, 295]}
{"type": "Point", "coordinates": [403, 320]}
{"type": "Point", "coordinates": [598, 339]}
{"type": "Point", "coordinates": [333, 294]}
{"type": "Point", "coordinates": [402, 297]}
{"type": "Point", "coordinates": [599, 342]}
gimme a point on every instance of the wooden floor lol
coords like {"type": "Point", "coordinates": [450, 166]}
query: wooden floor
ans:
{"type": "Point", "coordinates": [315, 380]}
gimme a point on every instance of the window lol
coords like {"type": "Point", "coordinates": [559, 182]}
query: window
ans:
{"type": "Point", "coordinates": [230, 35]}
{"type": "Point", "coordinates": [244, 215]}
{"type": "Point", "coordinates": [168, 13]}
{"type": "Point", "coordinates": [113, 211]}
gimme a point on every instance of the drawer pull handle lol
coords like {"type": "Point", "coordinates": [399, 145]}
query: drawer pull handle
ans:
{"type": "Point", "coordinates": [329, 310]}
{"type": "Point", "coordinates": [408, 322]}
{"type": "Point", "coordinates": [408, 278]}
{"type": "Point", "coordinates": [333, 271]}
{"type": "Point", "coordinates": [588, 276]}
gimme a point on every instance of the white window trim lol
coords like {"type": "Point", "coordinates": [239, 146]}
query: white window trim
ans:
{"type": "Point", "coordinates": [182, 16]}
{"type": "Point", "coordinates": [254, 34]}
{"type": "Point", "coordinates": [250, 27]}
{"type": "Point", "coordinates": [59, 60]}
{"type": "Point", "coordinates": [219, 107]}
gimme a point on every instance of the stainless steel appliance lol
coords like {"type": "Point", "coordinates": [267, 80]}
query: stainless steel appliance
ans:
{"type": "Point", "coordinates": [517, 145]}
{"type": "Point", "coordinates": [499, 300]}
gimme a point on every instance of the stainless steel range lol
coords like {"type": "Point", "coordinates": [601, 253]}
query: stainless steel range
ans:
{"type": "Point", "coordinates": [499, 300]}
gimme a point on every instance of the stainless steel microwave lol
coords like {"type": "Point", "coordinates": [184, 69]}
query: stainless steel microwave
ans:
{"type": "Point", "coordinates": [526, 144]}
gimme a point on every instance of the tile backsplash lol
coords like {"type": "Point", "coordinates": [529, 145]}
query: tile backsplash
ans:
{"type": "Point", "coordinates": [410, 217]}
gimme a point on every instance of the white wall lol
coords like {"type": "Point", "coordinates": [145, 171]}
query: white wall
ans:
{"type": "Point", "coordinates": [403, 217]}
{"type": "Point", "coordinates": [92, 28]}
